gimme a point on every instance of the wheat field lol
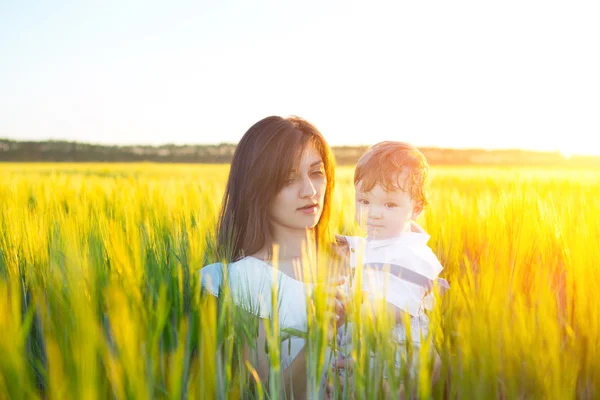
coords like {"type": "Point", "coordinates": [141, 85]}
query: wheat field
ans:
{"type": "Point", "coordinates": [100, 297]}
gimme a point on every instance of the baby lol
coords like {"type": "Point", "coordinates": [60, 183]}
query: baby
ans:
{"type": "Point", "coordinates": [391, 182]}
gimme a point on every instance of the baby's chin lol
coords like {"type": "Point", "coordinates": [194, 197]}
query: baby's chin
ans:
{"type": "Point", "coordinates": [377, 234]}
{"type": "Point", "coordinates": [382, 234]}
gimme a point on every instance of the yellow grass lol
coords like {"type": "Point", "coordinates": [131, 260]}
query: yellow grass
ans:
{"type": "Point", "coordinates": [99, 291]}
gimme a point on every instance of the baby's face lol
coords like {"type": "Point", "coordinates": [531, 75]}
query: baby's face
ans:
{"type": "Point", "coordinates": [385, 214]}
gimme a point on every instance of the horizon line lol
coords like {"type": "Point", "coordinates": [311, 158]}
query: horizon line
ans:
{"type": "Point", "coordinates": [497, 149]}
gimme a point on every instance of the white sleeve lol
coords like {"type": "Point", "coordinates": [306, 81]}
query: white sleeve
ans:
{"type": "Point", "coordinates": [420, 259]}
{"type": "Point", "coordinates": [211, 277]}
{"type": "Point", "coordinates": [429, 301]}
{"type": "Point", "coordinates": [356, 246]}
{"type": "Point", "coordinates": [406, 279]}
{"type": "Point", "coordinates": [250, 285]}
{"type": "Point", "coordinates": [396, 291]}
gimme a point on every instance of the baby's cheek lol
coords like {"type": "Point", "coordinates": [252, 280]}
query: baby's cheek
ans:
{"type": "Point", "coordinates": [357, 213]}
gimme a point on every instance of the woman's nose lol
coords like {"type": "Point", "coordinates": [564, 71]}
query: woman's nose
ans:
{"type": "Point", "coordinates": [307, 189]}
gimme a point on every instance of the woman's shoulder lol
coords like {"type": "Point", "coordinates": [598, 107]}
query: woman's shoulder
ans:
{"type": "Point", "coordinates": [212, 275]}
{"type": "Point", "coordinates": [249, 281]}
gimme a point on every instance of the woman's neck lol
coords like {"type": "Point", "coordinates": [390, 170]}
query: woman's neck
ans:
{"type": "Point", "coordinates": [290, 243]}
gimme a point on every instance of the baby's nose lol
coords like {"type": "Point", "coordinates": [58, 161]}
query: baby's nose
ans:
{"type": "Point", "coordinates": [375, 214]}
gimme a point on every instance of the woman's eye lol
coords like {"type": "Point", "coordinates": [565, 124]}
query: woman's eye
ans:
{"type": "Point", "coordinates": [290, 180]}
{"type": "Point", "coordinates": [318, 173]}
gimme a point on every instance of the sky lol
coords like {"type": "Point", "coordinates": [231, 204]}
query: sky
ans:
{"type": "Point", "coordinates": [461, 74]}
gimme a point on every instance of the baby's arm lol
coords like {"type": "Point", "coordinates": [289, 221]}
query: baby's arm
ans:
{"type": "Point", "coordinates": [398, 313]}
{"type": "Point", "coordinates": [369, 308]}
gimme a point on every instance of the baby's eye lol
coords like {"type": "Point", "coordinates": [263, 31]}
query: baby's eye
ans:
{"type": "Point", "coordinates": [364, 202]}
{"type": "Point", "coordinates": [391, 205]}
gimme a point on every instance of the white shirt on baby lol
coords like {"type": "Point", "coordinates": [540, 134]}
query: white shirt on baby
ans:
{"type": "Point", "coordinates": [402, 269]}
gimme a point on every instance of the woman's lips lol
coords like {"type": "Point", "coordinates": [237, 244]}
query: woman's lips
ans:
{"type": "Point", "coordinates": [310, 209]}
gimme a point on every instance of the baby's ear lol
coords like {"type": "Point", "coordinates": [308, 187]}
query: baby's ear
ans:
{"type": "Point", "coordinates": [417, 210]}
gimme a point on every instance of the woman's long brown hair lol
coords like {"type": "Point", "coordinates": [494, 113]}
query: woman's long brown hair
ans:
{"type": "Point", "coordinates": [260, 166]}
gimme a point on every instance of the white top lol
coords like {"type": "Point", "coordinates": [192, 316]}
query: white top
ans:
{"type": "Point", "coordinates": [401, 269]}
{"type": "Point", "coordinates": [251, 280]}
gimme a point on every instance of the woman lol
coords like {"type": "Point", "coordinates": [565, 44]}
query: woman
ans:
{"type": "Point", "coordinates": [278, 195]}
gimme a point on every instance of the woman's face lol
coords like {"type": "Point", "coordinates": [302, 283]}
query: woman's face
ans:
{"type": "Point", "coordinates": [299, 204]}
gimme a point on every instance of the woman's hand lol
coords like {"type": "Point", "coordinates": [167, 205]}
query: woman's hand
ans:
{"type": "Point", "coordinates": [347, 366]}
{"type": "Point", "coordinates": [336, 299]}
{"type": "Point", "coordinates": [338, 366]}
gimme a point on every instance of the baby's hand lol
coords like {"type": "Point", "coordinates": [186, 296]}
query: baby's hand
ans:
{"type": "Point", "coordinates": [341, 246]}
{"type": "Point", "coordinates": [335, 294]}
{"type": "Point", "coordinates": [339, 300]}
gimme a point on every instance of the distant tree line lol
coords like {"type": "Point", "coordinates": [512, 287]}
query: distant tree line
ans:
{"type": "Point", "coordinates": [64, 151]}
